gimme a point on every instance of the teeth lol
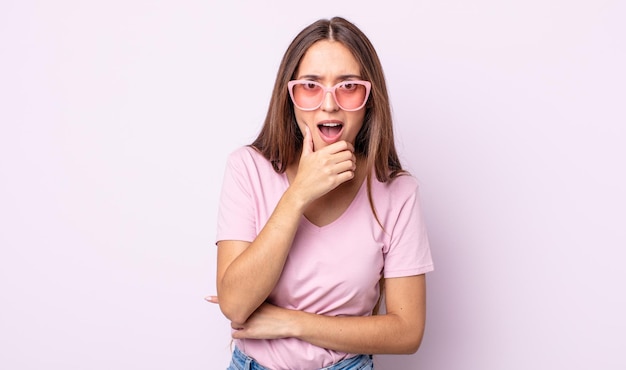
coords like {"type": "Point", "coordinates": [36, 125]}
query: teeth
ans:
{"type": "Point", "coordinates": [330, 124]}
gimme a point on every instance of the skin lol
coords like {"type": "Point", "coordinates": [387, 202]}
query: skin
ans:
{"type": "Point", "coordinates": [329, 62]}
{"type": "Point", "coordinates": [323, 182]}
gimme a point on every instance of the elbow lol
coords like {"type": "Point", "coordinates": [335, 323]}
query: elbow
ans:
{"type": "Point", "coordinates": [412, 346]}
{"type": "Point", "coordinates": [233, 313]}
{"type": "Point", "coordinates": [235, 310]}
{"type": "Point", "coordinates": [412, 342]}
{"type": "Point", "coordinates": [232, 308]}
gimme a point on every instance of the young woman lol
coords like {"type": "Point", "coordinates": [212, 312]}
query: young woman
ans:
{"type": "Point", "coordinates": [317, 213]}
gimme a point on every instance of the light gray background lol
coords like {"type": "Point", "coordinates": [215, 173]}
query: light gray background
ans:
{"type": "Point", "coordinates": [116, 118]}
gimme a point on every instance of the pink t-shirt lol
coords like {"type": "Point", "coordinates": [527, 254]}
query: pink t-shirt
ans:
{"type": "Point", "coordinates": [331, 270]}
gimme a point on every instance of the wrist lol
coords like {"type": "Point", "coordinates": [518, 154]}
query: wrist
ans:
{"type": "Point", "coordinates": [296, 324]}
{"type": "Point", "coordinates": [294, 200]}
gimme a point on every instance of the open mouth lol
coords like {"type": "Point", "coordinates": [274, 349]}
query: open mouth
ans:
{"type": "Point", "coordinates": [330, 131]}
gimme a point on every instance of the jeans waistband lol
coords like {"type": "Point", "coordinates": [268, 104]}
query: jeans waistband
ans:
{"type": "Point", "coordinates": [241, 361]}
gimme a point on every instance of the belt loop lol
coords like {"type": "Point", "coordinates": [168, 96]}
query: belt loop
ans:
{"type": "Point", "coordinates": [247, 364]}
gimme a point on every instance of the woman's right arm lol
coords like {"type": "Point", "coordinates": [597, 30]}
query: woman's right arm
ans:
{"type": "Point", "coordinates": [248, 272]}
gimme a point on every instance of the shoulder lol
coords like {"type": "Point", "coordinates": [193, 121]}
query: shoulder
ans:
{"type": "Point", "coordinates": [247, 157]}
{"type": "Point", "coordinates": [244, 154]}
{"type": "Point", "coordinates": [400, 187]}
{"type": "Point", "coordinates": [247, 162]}
{"type": "Point", "coordinates": [393, 196]}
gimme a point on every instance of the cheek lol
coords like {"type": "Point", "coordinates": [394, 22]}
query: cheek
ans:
{"type": "Point", "coordinates": [356, 122]}
{"type": "Point", "coordinates": [303, 118]}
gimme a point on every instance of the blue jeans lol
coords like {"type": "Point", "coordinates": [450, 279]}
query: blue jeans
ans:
{"type": "Point", "coordinates": [241, 361]}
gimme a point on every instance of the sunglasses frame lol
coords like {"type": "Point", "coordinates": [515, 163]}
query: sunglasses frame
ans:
{"type": "Point", "coordinates": [326, 90]}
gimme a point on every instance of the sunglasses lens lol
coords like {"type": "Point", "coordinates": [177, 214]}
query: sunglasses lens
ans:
{"type": "Point", "coordinates": [350, 95]}
{"type": "Point", "coordinates": [307, 95]}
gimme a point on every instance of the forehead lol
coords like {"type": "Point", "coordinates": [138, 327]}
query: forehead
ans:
{"type": "Point", "coordinates": [327, 58]}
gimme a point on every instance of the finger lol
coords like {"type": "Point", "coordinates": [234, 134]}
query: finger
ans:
{"type": "Point", "coordinates": [238, 334]}
{"type": "Point", "coordinates": [347, 165]}
{"type": "Point", "coordinates": [307, 142]}
{"type": "Point", "coordinates": [345, 176]}
{"type": "Point", "coordinates": [344, 156]}
{"type": "Point", "coordinates": [340, 146]}
{"type": "Point", "coordinates": [236, 326]}
{"type": "Point", "coordinates": [212, 299]}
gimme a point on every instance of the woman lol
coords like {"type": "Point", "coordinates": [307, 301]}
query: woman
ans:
{"type": "Point", "coordinates": [317, 213]}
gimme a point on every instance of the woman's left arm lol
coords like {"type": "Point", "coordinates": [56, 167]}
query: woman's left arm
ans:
{"type": "Point", "coordinates": [399, 331]}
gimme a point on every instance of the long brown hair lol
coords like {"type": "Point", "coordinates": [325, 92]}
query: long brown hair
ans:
{"type": "Point", "coordinates": [280, 140]}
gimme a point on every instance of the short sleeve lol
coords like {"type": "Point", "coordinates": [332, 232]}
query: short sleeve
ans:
{"type": "Point", "coordinates": [408, 252]}
{"type": "Point", "coordinates": [235, 219]}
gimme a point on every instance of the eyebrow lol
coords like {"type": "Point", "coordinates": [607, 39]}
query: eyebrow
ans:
{"type": "Point", "coordinates": [317, 78]}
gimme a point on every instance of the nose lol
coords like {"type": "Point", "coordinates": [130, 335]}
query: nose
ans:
{"type": "Point", "coordinates": [329, 104]}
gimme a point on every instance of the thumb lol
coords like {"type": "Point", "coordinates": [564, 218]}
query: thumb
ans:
{"type": "Point", "coordinates": [307, 142]}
